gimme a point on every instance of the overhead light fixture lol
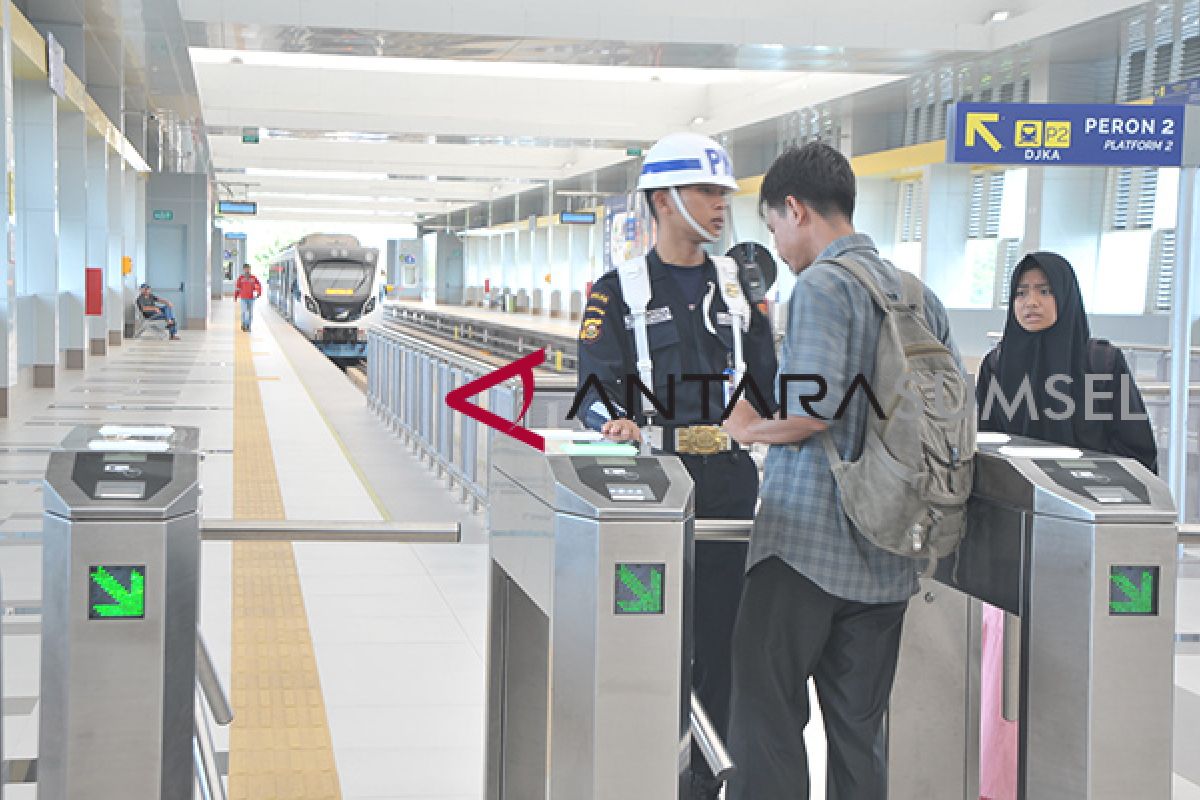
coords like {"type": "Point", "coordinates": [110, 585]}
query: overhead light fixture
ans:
{"type": "Point", "coordinates": [431, 139]}
{"type": "Point", "coordinates": [432, 178]}
{"type": "Point", "coordinates": [1000, 16]}
{"type": "Point", "coordinates": [772, 46]}
{"type": "Point", "coordinates": [697, 120]}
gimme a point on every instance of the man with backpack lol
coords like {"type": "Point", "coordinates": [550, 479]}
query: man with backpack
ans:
{"type": "Point", "coordinates": [853, 504]}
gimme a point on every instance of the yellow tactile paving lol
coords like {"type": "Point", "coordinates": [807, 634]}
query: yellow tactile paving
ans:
{"type": "Point", "coordinates": [279, 744]}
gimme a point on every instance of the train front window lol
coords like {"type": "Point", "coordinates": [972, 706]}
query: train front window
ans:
{"type": "Point", "coordinates": [333, 280]}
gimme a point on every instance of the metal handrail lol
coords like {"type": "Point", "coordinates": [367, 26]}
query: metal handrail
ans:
{"type": "Point", "coordinates": [433, 349]}
{"type": "Point", "coordinates": [709, 742]}
{"type": "Point", "coordinates": [208, 773]}
{"type": "Point", "coordinates": [210, 684]}
{"type": "Point", "coordinates": [723, 530]}
{"type": "Point", "coordinates": [1189, 534]}
{"type": "Point", "coordinates": [255, 530]}
{"type": "Point", "coordinates": [454, 359]}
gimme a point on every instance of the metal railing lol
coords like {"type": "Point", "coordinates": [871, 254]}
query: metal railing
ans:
{"type": "Point", "coordinates": [408, 378]}
{"type": "Point", "coordinates": [707, 739]}
{"type": "Point", "coordinates": [210, 694]}
{"type": "Point", "coordinates": [510, 338]}
{"type": "Point", "coordinates": [253, 530]}
{"type": "Point", "coordinates": [211, 698]}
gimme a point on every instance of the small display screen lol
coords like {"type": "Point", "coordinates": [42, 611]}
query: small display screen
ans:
{"type": "Point", "coordinates": [125, 458]}
{"type": "Point", "coordinates": [1133, 591]}
{"type": "Point", "coordinates": [237, 207]}
{"type": "Point", "coordinates": [117, 592]}
{"type": "Point", "coordinates": [617, 462]}
{"type": "Point", "coordinates": [577, 217]}
{"type": "Point", "coordinates": [1077, 464]}
{"type": "Point", "coordinates": [640, 589]}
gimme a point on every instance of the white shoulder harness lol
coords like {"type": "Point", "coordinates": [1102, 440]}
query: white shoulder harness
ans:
{"type": "Point", "coordinates": [635, 286]}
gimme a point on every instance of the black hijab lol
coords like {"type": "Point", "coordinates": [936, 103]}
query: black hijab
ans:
{"type": "Point", "coordinates": [1061, 349]}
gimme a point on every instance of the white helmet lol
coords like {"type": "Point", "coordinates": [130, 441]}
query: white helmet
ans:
{"type": "Point", "coordinates": [684, 159]}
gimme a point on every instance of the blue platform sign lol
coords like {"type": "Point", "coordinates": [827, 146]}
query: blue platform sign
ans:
{"type": "Point", "coordinates": [1056, 134]}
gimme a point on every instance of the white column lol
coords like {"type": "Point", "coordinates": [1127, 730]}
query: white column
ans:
{"type": "Point", "coordinates": [72, 238]}
{"type": "Point", "coordinates": [37, 234]}
{"type": "Point", "coordinates": [130, 217]}
{"type": "Point", "coordinates": [114, 299]}
{"type": "Point", "coordinates": [97, 232]}
{"type": "Point", "coordinates": [9, 359]}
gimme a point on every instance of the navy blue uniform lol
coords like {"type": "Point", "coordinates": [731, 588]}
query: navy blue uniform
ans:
{"type": "Point", "coordinates": [726, 483]}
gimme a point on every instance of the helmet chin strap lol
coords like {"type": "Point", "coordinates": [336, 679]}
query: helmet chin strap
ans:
{"type": "Point", "coordinates": [708, 237]}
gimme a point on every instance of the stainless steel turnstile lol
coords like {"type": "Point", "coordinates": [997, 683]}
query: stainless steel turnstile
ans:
{"type": "Point", "coordinates": [589, 651]}
{"type": "Point", "coordinates": [121, 565]}
{"type": "Point", "coordinates": [1082, 550]}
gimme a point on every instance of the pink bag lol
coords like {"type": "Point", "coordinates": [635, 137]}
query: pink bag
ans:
{"type": "Point", "coordinates": [997, 736]}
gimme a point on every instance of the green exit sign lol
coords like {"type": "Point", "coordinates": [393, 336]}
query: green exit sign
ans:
{"type": "Point", "coordinates": [163, 215]}
{"type": "Point", "coordinates": [633, 151]}
{"type": "Point", "coordinates": [117, 592]}
{"type": "Point", "coordinates": [249, 135]}
{"type": "Point", "coordinates": [1133, 591]}
{"type": "Point", "coordinates": [639, 588]}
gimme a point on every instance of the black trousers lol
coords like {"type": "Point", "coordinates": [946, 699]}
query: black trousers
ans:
{"type": "Point", "coordinates": [789, 629]}
{"type": "Point", "coordinates": [726, 488]}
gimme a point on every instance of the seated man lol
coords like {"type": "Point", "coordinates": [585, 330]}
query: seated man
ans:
{"type": "Point", "coordinates": [154, 307]}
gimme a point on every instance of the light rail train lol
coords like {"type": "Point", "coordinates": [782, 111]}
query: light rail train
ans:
{"type": "Point", "coordinates": [330, 287]}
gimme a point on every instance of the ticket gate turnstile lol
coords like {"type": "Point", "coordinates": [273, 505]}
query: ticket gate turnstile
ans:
{"type": "Point", "coordinates": [1082, 549]}
{"type": "Point", "coordinates": [589, 655]}
{"type": "Point", "coordinates": [121, 561]}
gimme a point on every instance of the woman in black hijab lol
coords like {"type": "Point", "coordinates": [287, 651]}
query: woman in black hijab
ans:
{"type": "Point", "coordinates": [1047, 337]}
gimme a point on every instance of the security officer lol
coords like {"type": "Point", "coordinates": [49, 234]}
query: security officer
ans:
{"type": "Point", "coordinates": [691, 314]}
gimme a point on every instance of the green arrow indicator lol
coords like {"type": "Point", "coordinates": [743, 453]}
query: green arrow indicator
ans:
{"type": "Point", "coordinates": [1140, 598]}
{"type": "Point", "coordinates": [129, 602]}
{"type": "Point", "coordinates": [645, 599]}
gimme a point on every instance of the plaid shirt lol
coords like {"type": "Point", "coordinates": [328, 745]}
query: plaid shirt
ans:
{"type": "Point", "coordinates": [833, 330]}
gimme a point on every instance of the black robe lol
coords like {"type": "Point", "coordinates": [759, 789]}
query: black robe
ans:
{"type": "Point", "coordinates": [1064, 349]}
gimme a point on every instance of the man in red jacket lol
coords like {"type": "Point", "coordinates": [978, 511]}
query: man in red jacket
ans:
{"type": "Point", "coordinates": [248, 289]}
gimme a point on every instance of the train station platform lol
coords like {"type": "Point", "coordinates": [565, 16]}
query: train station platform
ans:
{"type": "Point", "coordinates": [356, 670]}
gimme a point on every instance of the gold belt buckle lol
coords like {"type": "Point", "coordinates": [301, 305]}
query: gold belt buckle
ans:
{"type": "Point", "coordinates": [701, 440]}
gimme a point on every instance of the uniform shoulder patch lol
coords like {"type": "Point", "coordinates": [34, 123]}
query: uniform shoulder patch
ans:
{"type": "Point", "coordinates": [590, 330]}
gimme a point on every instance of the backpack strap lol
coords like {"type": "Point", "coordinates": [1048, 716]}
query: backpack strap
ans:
{"type": "Point", "coordinates": [634, 275]}
{"type": "Point", "coordinates": [912, 296]}
{"type": "Point", "coordinates": [868, 281]}
{"type": "Point", "coordinates": [912, 292]}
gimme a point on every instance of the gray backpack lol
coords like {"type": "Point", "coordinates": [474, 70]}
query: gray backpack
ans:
{"type": "Point", "coordinates": [907, 493]}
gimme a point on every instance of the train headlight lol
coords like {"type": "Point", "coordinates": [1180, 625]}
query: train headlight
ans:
{"type": "Point", "coordinates": [369, 306]}
{"type": "Point", "coordinates": [311, 305]}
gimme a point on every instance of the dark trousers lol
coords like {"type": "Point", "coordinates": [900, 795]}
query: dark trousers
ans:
{"type": "Point", "coordinates": [726, 488]}
{"type": "Point", "coordinates": [787, 630]}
